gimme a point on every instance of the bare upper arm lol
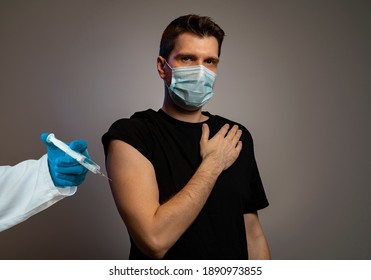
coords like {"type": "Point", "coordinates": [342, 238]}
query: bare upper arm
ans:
{"type": "Point", "coordinates": [134, 187]}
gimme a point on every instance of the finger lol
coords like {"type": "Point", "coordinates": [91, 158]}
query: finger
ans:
{"type": "Point", "coordinates": [71, 170]}
{"type": "Point", "coordinates": [66, 160]}
{"type": "Point", "coordinates": [67, 164]}
{"type": "Point", "coordinates": [223, 131]}
{"type": "Point", "coordinates": [205, 133]}
{"type": "Point", "coordinates": [232, 132]}
{"type": "Point", "coordinates": [78, 145]}
{"type": "Point", "coordinates": [50, 145]}
{"type": "Point", "coordinates": [239, 147]}
{"type": "Point", "coordinates": [43, 137]}
{"type": "Point", "coordinates": [237, 136]}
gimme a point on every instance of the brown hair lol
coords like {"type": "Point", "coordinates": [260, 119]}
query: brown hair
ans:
{"type": "Point", "coordinates": [199, 25]}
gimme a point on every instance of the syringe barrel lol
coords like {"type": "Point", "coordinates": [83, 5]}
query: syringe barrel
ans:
{"type": "Point", "coordinates": [65, 148]}
{"type": "Point", "coordinates": [90, 165]}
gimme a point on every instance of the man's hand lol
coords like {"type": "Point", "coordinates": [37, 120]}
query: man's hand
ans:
{"type": "Point", "coordinates": [223, 149]}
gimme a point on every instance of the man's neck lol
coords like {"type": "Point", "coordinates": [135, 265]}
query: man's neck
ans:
{"type": "Point", "coordinates": [184, 115]}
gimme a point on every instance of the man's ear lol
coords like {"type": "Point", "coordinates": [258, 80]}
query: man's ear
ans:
{"type": "Point", "coordinates": [161, 62]}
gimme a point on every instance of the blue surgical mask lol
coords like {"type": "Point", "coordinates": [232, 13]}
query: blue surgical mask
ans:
{"type": "Point", "coordinates": [191, 87]}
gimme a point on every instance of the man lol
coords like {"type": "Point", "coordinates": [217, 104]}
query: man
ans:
{"type": "Point", "coordinates": [185, 181]}
{"type": "Point", "coordinates": [34, 185]}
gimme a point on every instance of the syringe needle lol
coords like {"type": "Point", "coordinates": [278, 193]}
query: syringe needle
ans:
{"type": "Point", "coordinates": [104, 175]}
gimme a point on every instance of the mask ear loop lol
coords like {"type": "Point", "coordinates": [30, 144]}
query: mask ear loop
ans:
{"type": "Point", "coordinates": [168, 65]}
{"type": "Point", "coordinates": [171, 69]}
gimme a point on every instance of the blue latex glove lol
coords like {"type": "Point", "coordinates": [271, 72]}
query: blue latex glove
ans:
{"type": "Point", "coordinates": [64, 170]}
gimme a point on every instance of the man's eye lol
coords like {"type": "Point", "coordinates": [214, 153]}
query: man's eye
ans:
{"type": "Point", "coordinates": [188, 59]}
{"type": "Point", "coordinates": [210, 61]}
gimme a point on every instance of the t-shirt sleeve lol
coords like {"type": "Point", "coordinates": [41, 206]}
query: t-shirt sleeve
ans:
{"type": "Point", "coordinates": [130, 131]}
{"type": "Point", "coordinates": [257, 199]}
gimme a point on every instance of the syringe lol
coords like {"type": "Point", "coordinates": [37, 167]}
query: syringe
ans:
{"type": "Point", "coordinates": [83, 160]}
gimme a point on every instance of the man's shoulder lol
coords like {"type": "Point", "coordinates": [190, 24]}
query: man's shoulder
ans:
{"type": "Point", "coordinates": [133, 129]}
{"type": "Point", "coordinates": [137, 118]}
{"type": "Point", "coordinates": [223, 120]}
{"type": "Point", "coordinates": [146, 114]}
{"type": "Point", "coordinates": [218, 121]}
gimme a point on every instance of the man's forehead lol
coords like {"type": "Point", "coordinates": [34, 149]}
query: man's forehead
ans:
{"type": "Point", "coordinates": [192, 43]}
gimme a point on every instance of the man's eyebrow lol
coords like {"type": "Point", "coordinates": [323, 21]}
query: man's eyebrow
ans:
{"type": "Point", "coordinates": [185, 54]}
{"type": "Point", "coordinates": [179, 55]}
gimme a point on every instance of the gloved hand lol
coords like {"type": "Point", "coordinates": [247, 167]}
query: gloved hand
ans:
{"type": "Point", "coordinates": [64, 170]}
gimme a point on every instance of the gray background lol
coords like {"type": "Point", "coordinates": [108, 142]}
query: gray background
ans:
{"type": "Point", "coordinates": [295, 73]}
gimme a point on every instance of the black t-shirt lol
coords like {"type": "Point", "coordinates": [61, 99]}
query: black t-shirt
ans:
{"type": "Point", "coordinates": [173, 148]}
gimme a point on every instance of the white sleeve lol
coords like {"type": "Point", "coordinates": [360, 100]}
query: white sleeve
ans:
{"type": "Point", "coordinates": [26, 189]}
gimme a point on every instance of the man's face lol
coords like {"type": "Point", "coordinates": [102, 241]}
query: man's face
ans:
{"type": "Point", "coordinates": [190, 50]}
